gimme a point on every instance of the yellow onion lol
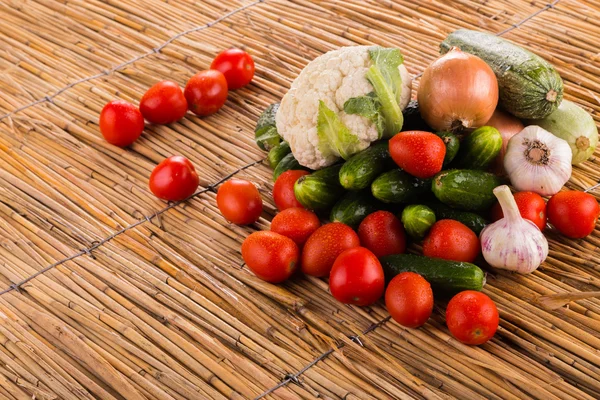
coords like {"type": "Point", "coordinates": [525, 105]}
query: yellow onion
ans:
{"type": "Point", "coordinates": [508, 126]}
{"type": "Point", "coordinates": [458, 90]}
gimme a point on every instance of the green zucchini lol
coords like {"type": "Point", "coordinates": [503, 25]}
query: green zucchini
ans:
{"type": "Point", "coordinates": [287, 163]}
{"type": "Point", "coordinates": [473, 221]}
{"type": "Point", "coordinates": [321, 189]}
{"type": "Point", "coordinates": [529, 86]}
{"type": "Point", "coordinates": [443, 275]}
{"type": "Point", "coordinates": [277, 153]}
{"type": "Point", "coordinates": [396, 186]}
{"type": "Point", "coordinates": [362, 168]}
{"type": "Point", "coordinates": [452, 145]}
{"type": "Point", "coordinates": [417, 220]}
{"type": "Point", "coordinates": [353, 207]}
{"type": "Point", "coordinates": [480, 148]}
{"type": "Point", "coordinates": [265, 133]}
{"type": "Point", "coordinates": [465, 189]}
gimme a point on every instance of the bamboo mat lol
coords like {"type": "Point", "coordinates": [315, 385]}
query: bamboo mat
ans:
{"type": "Point", "coordinates": [109, 293]}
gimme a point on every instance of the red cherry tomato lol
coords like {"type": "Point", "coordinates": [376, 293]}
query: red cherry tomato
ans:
{"type": "Point", "coordinates": [324, 246]}
{"type": "Point", "coordinates": [174, 179]}
{"type": "Point", "coordinates": [163, 103]}
{"type": "Point", "coordinates": [283, 190]}
{"type": "Point", "coordinates": [472, 317]}
{"type": "Point", "coordinates": [121, 123]}
{"type": "Point", "coordinates": [271, 256]}
{"type": "Point", "coordinates": [409, 299]}
{"type": "Point", "coordinates": [206, 92]}
{"type": "Point", "coordinates": [531, 206]}
{"type": "Point", "coordinates": [357, 277]}
{"type": "Point", "coordinates": [573, 213]}
{"type": "Point", "coordinates": [382, 233]}
{"type": "Point", "coordinates": [236, 65]}
{"type": "Point", "coordinates": [296, 223]}
{"type": "Point", "coordinates": [419, 153]}
{"type": "Point", "coordinates": [451, 240]}
{"type": "Point", "coordinates": [239, 202]}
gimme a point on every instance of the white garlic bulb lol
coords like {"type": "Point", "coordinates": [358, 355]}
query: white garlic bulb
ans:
{"type": "Point", "coordinates": [538, 161]}
{"type": "Point", "coordinates": [513, 243]}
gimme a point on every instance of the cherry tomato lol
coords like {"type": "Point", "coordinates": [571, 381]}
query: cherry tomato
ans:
{"type": "Point", "coordinates": [472, 317]}
{"type": "Point", "coordinates": [271, 256]}
{"type": "Point", "coordinates": [573, 213]}
{"type": "Point", "coordinates": [121, 123]}
{"type": "Point", "coordinates": [357, 277]}
{"type": "Point", "coordinates": [283, 190]}
{"type": "Point", "coordinates": [239, 202]}
{"type": "Point", "coordinates": [174, 179]}
{"type": "Point", "coordinates": [409, 299]}
{"type": "Point", "coordinates": [531, 206]}
{"type": "Point", "coordinates": [236, 65]}
{"type": "Point", "coordinates": [206, 92]}
{"type": "Point", "coordinates": [382, 233]}
{"type": "Point", "coordinates": [296, 223]}
{"type": "Point", "coordinates": [324, 246]}
{"type": "Point", "coordinates": [163, 103]}
{"type": "Point", "coordinates": [451, 240]}
{"type": "Point", "coordinates": [419, 153]}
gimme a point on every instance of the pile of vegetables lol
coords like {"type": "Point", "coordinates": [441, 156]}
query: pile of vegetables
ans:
{"type": "Point", "coordinates": [360, 172]}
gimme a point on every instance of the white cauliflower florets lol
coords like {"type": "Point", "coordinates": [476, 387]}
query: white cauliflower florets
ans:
{"type": "Point", "coordinates": [332, 78]}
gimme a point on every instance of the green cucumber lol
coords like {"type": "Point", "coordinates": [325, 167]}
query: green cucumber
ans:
{"type": "Point", "coordinates": [321, 189]}
{"type": "Point", "coordinates": [473, 221]}
{"type": "Point", "coordinates": [417, 220]}
{"type": "Point", "coordinates": [287, 163]}
{"type": "Point", "coordinates": [362, 168]}
{"type": "Point", "coordinates": [265, 133]}
{"type": "Point", "coordinates": [396, 186]}
{"type": "Point", "coordinates": [443, 275]}
{"type": "Point", "coordinates": [277, 153]}
{"type": "Point", "coordinates": [480, 148]}
{"type": "Point", "coordinates": [452, 145]}
{"type": "Point", "coordinates": [529, 86]}
{"type": "Point", "coordinates": [353, 207]}
{"type": "Point", "coordinates": [465, 189]}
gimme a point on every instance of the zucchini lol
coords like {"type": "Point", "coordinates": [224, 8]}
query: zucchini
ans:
{"type": "Point", "coordinates": [353, 207]}
{"type": "Point", "coordinates": [362, 168]}
{"type": "Point", "coordinates": [529, 86]}
{"type": "Point", "coordinates": [397, 186]}
{"type": "Point", "coordinates": [287, 163]}
{"type": "Point", "coordinates": [452, 145]}
{"type": "Point", "coordinates": [480, 148]}
{"type": "Point", "coordinates": [417, 220]}
{"type": "Point", "coordinates": [465, 189]}
{"type": "Point", "coordinates": [321, 189]}
{"type": "Point", "coordinates": [443, 275]}
{"type": "Point", "coordinates": [277, 153]}
{"type": "Point", "coordinates": [265, 133]}
{"type": "Point", "coordinates": [412, 118]}
{"type": "Point", "coordinates": [473, 221]}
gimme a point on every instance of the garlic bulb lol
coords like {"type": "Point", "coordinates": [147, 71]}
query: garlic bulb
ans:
{"type": "Point", "coordinates": [513, 243]}
{"type": "Point", "coordinates": [538, 161]}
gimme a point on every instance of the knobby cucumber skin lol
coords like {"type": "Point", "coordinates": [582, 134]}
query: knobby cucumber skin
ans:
{"type": "Point", "coordinates": [362, 168]}
{"type": "Point", "coordinates": [465, 189]}
{"type": "Point", "coordinates": [529, 86]}
{"type": "Point", "coordinates": [319, 190]}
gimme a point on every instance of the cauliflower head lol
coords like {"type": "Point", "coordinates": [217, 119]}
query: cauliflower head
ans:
{"type": "Point", "coordinates": [341, 102]}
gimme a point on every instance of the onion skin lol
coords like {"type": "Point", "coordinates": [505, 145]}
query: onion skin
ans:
{"type": "Point", "coordinates": [508, 126]}
{"type": "Point", "coordinates": [458, 90]}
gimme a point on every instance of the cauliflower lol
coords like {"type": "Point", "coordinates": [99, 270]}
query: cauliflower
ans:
{"type": "Point", "coordinates": [342, 101]}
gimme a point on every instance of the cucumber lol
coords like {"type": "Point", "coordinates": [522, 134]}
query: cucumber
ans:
{"type": "Point", "coordinates": [396, 186]}
{"type": "Point", "coordinates": [465, 189]}
{"type": "Point", "coordinates": [353, 207]}
{"type": "Point", "coordinates": [277, 153]}
{"type": "Point", "coordinates": [529, 86]}
{"type": "Point", "coordinates": [412, 118]}
{"type": "Point", "coordinates": [362, 168]}
{"type": "Point", "coordinates": [321, 189]}
{"type": "Point", "coordinates": [443, 275]}
{"type": "Point", "coordinates": [417, 220]}
{"type": "Point", "coordinates": [287, 163]}
{"type": "Point", "coordinates": [452, 145]}
{"type": "Point", "coordinates": [480, 148]}
{"type": "Point", "coordinates": [265, 133]}
{"type": "Point", "coordinates": [473, 221]}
